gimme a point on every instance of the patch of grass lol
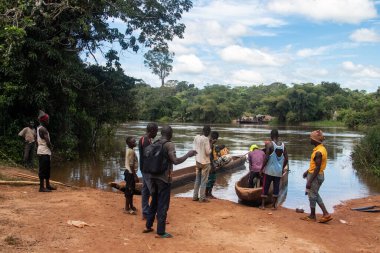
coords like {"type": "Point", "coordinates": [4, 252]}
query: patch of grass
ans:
{"type": "Point", "coordinates": [366, 157]}
{"type": "Point", "coordinates": [324, 123]}
{"type": "Point", "coordinates": [13, 240]}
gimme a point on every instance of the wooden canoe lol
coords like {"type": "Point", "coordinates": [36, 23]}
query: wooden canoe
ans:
{"type": "Point", "coordinates": [252, 196]}
{"type": "Point", "coordinates": [187, 174]}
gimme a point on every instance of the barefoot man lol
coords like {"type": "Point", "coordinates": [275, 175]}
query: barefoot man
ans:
{"type": "Point", "coordinates": [273, 167]}
{"type": "Point", "coordinates": [315, 177]}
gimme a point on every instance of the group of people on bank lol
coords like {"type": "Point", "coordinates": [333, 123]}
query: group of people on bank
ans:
{"type": "Point", "coordinates": [266, 166]}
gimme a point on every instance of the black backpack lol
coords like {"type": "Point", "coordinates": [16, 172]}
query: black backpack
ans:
{"type": "Point", "coordinates": [155, 160]}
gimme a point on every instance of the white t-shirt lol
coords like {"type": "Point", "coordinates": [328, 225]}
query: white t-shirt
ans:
{"type": "Point", "coordinates": [202, 146]}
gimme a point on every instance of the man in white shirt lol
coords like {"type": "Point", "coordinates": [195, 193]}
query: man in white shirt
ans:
{"type": "Point", "coordinates": [29, 135]}
{"type": "Point", "coordinates": [203, 164]}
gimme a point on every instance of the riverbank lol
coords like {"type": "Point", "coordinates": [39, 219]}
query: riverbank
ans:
{"type": "Point", "coordinates": [37, 222]}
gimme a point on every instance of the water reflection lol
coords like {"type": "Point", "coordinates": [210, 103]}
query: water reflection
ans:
{"type": "Point", "coordinates": [341, 183]}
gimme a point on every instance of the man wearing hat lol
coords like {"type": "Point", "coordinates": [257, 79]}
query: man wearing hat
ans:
{"type": "Point", "coordinates": [44, 152]}
{"type": "Point", "coordinates": [315, 177]}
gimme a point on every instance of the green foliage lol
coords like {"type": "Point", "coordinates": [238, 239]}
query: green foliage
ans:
{"type": "Point", "coordinates": [159, 60]}
{"type": "Point", "coordinates": [325, 102]}
{"type": "Point", "coordinates": [41, 45]}
{"type": "Point", "coordinates": [366, 157]}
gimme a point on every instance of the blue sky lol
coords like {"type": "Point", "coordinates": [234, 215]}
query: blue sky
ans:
{"type": "Point", "coordinates": [244, 42]}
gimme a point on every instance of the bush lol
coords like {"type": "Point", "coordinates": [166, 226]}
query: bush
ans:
{"type": "Point", "coordinates": [366, 156]}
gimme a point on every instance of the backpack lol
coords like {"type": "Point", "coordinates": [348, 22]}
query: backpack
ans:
{"type": "Point", "coordinates": [154, 158]}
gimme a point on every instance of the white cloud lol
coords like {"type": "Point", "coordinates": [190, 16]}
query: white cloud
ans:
{"type": "Point", "coordinates": [190, 64]}
{"type": "Point", "coordinates": [365, 35]}
{"type": "Point", "coordinates": [308, 52]}
{"type": "Point", "coordinates": [359, 70]}
{"type": "Point", "coordinates": [246, 77]}
{"type": "Point", "coordinates": [343, 11]}
{"type": "Point", "coordinates": [310, 74]}
{"type": "Point", "coordinates": [238, 54]}
{"type": "Point", "coordinates": [252, 13]}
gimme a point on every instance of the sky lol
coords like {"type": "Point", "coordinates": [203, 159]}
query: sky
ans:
{"type": "Point", "coordinates": [253, 42]}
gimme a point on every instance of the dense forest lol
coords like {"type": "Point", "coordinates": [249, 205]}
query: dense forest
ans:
{"type": "Point", "coordinates": [43, 45]}
{"type": "Point", "coordinates": [183, 102]}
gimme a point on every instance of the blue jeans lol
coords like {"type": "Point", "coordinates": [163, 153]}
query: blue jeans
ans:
{"type": "Point", "coordinates": [202, 171]}
{"type": "Point", "coordinates": [159, 205]}
{"type": "Point", "coordinates": [145, 194]}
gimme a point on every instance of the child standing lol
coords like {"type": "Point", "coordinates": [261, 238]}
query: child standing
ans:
{"type": "Point", "coordinates": [130, 177]}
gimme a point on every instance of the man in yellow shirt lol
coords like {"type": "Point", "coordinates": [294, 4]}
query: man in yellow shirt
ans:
{"type": "Point", "coordinates": [315, 177]}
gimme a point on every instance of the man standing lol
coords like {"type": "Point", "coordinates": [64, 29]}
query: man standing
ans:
{"type": "Point", "coordinates": [315, 177]}
{"type": "Point", "coordinates": [160, 185]}
{"type": "Point", "coordinates": [146, 140]}
{"type": "Point", "coordinates": [44, 152]}
{"type": "Point", "coordinates": [203, 164]}
{"type": "Point", "coordinates": [29, 135]}
{"type": "Point", "coordinates": [273, 167]}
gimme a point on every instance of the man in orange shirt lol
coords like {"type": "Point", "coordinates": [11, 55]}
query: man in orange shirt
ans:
{"type": "Point", "coordinates": [315, 177]}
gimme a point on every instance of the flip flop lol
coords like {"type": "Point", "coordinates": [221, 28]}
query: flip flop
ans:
{"type": "Point", "coordinates": [307, 218]}
{"type": "Point", "coordinates": [325, 219]}
{"type": "Point", "coordinates": [148, 230]}
{"type": "Point", "coordinates": [166, 235]}
{"type": "Point", "coordinates": [364, 208]}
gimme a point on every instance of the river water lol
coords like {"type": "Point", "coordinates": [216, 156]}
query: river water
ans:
{"type": "Point", "coordinates": [342, 182]}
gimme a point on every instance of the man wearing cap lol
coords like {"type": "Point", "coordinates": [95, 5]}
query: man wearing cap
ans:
{"type": "Point", "coordinates": [29, 135]}
{"type": "Point", "coordinates": [256, 159]}
{"type": "Point", "coordinates": [315, 177]}
{"type": "Point", "coordinates": [44, 152]}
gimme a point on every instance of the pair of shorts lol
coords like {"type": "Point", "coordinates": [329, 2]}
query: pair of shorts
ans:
{"type": "Point", "coordinates": [130, 184]}
{"type": "Point", "coordinates": [267, 180]}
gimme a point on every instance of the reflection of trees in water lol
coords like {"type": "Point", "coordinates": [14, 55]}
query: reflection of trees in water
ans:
{"type": "Point", "coordinates": [371, 181]}
{"type": "Point", "coordinates": [94, 169]}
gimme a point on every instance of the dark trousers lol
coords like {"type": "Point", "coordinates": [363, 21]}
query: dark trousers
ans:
{"type": "Point", "coordinates": [130, 184]}
{"type": "Point", "coordinates": [145, 194]}
{"type": "Point", "coordinates": [159, 205]}
{"type": "Point", "coordinates": [44, 166]}
{"type": "Point", "coordinates": [28, 154]}
{"type": "Point", "coordinates": [253, 178]}
{"type": "Point", "coordinates": [268, 179]}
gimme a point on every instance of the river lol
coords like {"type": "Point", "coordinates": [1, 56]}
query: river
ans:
{"type": "Point", "coordinates": [342, 182]}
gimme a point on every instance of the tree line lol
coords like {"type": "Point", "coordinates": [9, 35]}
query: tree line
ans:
{"type": "Point", "coordinates": [290, 104]}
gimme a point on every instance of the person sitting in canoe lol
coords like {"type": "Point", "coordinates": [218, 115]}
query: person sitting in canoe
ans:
{"type": "Point", "coordinates": [222, 154]}
{"type": "Point", "coordinates": [256, 159]}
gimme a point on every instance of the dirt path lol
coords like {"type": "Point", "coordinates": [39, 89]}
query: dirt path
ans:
{"type": "Point", "coordinates": [37, 222]}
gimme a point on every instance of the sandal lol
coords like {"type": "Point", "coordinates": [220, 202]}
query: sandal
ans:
{"type": "Point", "coordinates": [166, 235]}
{"type": "Point", "coordinates": [307, 218]}
{"type": "Point", "coordinates": [325, 219]}
{"type": "Point", "coordinates": [148, 230]}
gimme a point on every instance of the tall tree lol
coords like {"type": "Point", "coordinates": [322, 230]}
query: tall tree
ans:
{"type": "Point", "coordinates": [159, 60]}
